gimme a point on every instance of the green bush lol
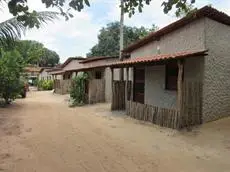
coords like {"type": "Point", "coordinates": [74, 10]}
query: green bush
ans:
{"type": "Point", "coordinates": [45, 84]}
{"type": "Point", "coordinates": [77, 91]}
{"type": "Point", "coordinates": [35, 82]}
{"type": "Point", "coordinates": [11, 66]}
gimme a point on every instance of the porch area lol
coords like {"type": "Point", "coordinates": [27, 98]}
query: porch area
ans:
{"type": "Point", "coordinates": [137, 98]}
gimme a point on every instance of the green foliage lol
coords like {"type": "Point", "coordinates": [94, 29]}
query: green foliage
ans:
{"type": "Point", "coordinates": [11, 66]}
{"type": "Point", "coordinates": [182, 12]}
{"type": "Point", "coordinates": [108, 38]}
{"type": "Point", "coordinates": [34, 52]}
{"type": "Point", "coordinates": [182, 6]}
{"type": "Point", "coordinates": [20, 8]}
{"type": "Point", "coordinates": [77, 91]}
{"type": "Point", "coordinates": [12, 29]}
{"type": "Point", "coordinates": [45, 84]}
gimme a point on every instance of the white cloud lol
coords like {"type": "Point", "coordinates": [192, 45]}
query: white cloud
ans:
{"type": "Point", "coordinates": [76, 36]}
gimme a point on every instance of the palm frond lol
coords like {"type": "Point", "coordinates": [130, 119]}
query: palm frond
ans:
{"type": "Point", "coordinates": [46, 16]}
{"type": "Point", "coordinates": [13, 29]}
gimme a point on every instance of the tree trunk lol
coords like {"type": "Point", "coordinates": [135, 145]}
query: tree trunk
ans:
{"type": "Point", "coordinates": [121, 38]}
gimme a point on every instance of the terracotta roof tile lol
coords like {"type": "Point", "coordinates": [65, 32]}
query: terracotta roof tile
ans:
{"type": "Point", "coordinates": [157, 58]}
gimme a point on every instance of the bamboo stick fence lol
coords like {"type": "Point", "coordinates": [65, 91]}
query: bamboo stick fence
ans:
{"type": "Point", "coordinates": [62, 86]}
{"type": "Point", "coordinates": [96, 92]}
{"type": "Point", "coordinates": [160, 116]}
{"type": "Point", "coordinates": [190, 113]}
{"type": "Point", "coordinates": [191, 110]}
{"type": "Point", "coordinates": [118, 94]}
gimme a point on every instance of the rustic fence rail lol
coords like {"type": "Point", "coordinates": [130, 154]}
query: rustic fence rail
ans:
{"type": "Point", "coordinates": [191, 110]}
{"type": "Point", "coordinates": [62, 86]}
{"type": "Point", "coordinates": [160, 116]}
{"type": "Point", "coordinates": [190, 113]}
{"type": "Point", "coordinates": [96, 92]}
{"type": "Point", "coordinates": [118, 95]}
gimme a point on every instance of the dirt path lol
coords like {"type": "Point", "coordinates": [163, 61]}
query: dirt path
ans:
{"type": "Point", "coordinates": [42, 134]}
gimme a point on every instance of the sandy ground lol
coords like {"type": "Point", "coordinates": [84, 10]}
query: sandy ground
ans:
{"type": "Point", "coordinates": [41, 133]}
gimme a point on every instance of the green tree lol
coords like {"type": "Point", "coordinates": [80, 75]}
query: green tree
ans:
{"type": "Point", "coordinates": [185, 11]}
{"type": "Point", "coordinates": [20, 9]}
{"type": "Point", "coordinates": [48, 58]}
{"type": "Point", "coordinates": [108, 38]}
{"type": "Point", "coordinates": [12, 29]}
{"type": "Point", "coordinates": [11, 66]}
{"type": "Point", "coordinates": [31, 51]}
{"type": "Point", "coordinates": [35, 53]}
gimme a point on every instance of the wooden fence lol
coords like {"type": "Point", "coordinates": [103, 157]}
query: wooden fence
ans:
{"type": "Point", "coordinates": [62, 86]}
{"type": "Point", "coordinates": [160, 116]}
{"type": "Point", "coordinates": [191, 110]}
{"type": "Point", "coordinates": [118, 94]}
{"type": "Point", "coordinates": [96, 91]}
{"type": "Point", "coordinates": [190, 113]}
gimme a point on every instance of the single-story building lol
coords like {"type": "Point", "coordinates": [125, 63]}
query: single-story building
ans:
{"type": "Point", "coordinates": [62, 76]}
{"type": "Point", "coordinates": [99, 86]}
{"type": "Point", "coordinates": [99, 82]}
{"type": "Point", "coordinates": [32, 73]}
{"type": "Point", "coordinates": [180, 74]}
{"type": "Point", "coordinates": [44, 74]}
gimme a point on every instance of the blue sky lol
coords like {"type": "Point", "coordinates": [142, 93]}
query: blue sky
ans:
{"type": "Point", "coordinates": [76, 36]}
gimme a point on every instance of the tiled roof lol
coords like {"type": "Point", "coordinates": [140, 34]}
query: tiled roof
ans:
{"type": "Point", "coordinates": [91, 59]}
{"type": "Point", "coordinates": [32, 69]}
{"type": "Point", "coordinates": [44, 68]}
{"type": "Point", "coordinates": [156, 58]}
{"type": "Point", "coordinates": [142, 60]}
{"type": "Point", "coordinates": [56, 72]}
{"type": "Point", "coordinates": [70, 59]}
{"type": "Point", "coordinates": [203, 12]}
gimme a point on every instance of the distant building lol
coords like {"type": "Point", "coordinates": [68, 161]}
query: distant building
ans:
{"type": "Point", "coordinates": [32, 73]}
{"type": "Point", "coordinates": [44, 75]}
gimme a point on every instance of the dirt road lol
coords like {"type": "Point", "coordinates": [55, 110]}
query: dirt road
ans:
{"type": "Point", "coordinates": [41, 133]}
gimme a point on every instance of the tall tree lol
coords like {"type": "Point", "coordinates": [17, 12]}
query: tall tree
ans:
{"type": "Point", "coordinates": [48, 58]}
{"type": "Point", "coordinates": [28, 18]}
{"type": "Point", "coordinates": [11, 66]}
{"type": "Point", "coordinates": [20, 9]}
{"type": "Point", "coordinates": [185, 11]}
{"type": "Point", "coordinates": [12, 29]}
{"type": "Point", "coordinates": [109, 37]}
{"type": "Point", "coordinates": [35, 53]}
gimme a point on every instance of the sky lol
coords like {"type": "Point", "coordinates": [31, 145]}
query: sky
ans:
{"type": "Point", "coordinates": [76, 36]}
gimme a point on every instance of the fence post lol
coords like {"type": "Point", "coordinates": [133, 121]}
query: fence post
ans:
{"type": "Point", "coordinates": [112, 76]}
{"type": "Point", "coordinates": [180, 64]}
{"type": "Point", "coordinates": [126, 86]}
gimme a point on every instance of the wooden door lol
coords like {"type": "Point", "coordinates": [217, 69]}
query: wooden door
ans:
{"type": "Point", "coordinates": [139, 85]}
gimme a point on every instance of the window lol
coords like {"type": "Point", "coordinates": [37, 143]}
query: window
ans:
{"type": "Point", "coordinates": [171, 76]}
{"type": "Point", "coordinates": [67, 76]}
{"type": "Point", "coordinates": [139, 85]}
{"type": "Point", "coordinates": [98, 75]}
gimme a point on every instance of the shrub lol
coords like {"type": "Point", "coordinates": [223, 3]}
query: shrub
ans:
{"type": "Point", "coordinates": [11, 66]}
{"type": "Point", "coordinates": [77, 91]}
{"type": "Point", "coordinates": [45, 84]}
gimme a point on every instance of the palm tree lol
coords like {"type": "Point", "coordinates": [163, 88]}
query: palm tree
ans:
{"type": "Point", "coordinates": [13, 29]}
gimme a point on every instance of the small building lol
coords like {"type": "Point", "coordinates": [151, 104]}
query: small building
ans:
{"type": "Point", "coordinates": [63, 74]}
{"type": "Point", "coordinates": [99, 86]}
{"type": "Point", "coordinates": [44, 74]}
{"type": "Point", "coordinates": [99, 82]}
{"type": "Point", "coordinates": [180, 74]}
{"type": "Point", "coordinates": [32, 73]}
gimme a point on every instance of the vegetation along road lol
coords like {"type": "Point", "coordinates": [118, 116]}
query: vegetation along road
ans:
{"type": "Point", "coordinates": [41, 133]}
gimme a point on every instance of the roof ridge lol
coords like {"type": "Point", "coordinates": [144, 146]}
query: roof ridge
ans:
{"type": "Point", "coordinates": [206, 11]}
